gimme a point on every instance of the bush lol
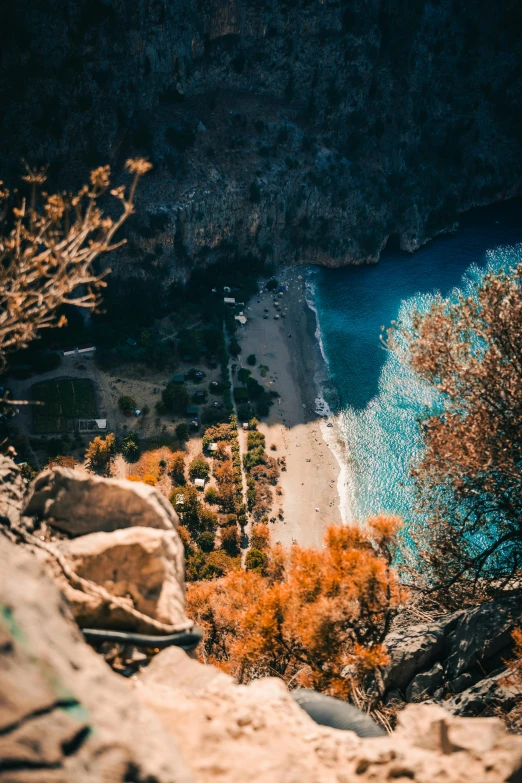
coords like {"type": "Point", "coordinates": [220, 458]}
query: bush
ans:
{"type": "Point", "coordinates": [260, 537]}
{"type": "Point", "coordinates": [272, 284]}
{"type": "Point", "coordinates": [251, 360]}
{"type": "Point", "coordinates": [199, 468]}
{"type": "Point", "coordinates": [212, 496]}
{"type": "Point", "coordinates": [182, 431]}
{"type": "Point", "coordinates": [177, 467]}
{"type": "Point", "coordinates": [206, 541]}
{"type": "Point", "coordinates": [253, 423]}
{"type": "Point", "coordinates": [255, 561]}
{"type": "Point", "coordinates": [127, 404]}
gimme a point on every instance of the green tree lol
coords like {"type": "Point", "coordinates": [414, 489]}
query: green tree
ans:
{"type": "Point", "coordinates": [243, 375]}
{"type": "Point", "coordinates": [199, 468]}
{"type": "Point", "coordinates": [251, 360]}
{"type": "Point", "coordinates": [255, 561]}
{"type": "Point", "coordinates": [230, 540]}
{"type": "Point", "coordinates": [127, 404]}
{"type": "Point", "coordinates": [130, 447]}
{"type": "Point", "coordinates": [182, 431]}
{"type": "Point", "coordinates": [175, 397]}
{"type": "Point", "coordinates": [206, 541]}
{"type": "Point", "coordinates": [185, 501]}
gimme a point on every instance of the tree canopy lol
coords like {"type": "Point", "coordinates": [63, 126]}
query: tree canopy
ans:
{"type": "Point", "coordinates": [469, 479]}
{"type": "Point", "coordinates": [310, 615]}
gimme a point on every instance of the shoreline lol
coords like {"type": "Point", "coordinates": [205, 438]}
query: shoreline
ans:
{"type": "Point", "coordinates": [290, 349]}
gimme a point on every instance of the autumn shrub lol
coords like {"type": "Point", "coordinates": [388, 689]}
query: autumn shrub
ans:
{"type": "Point", "coordinates": [313, 613]}
{"type": "Point", "coordinates": [49, 243]}
{"type": "Point", "coordinates": [101, 451]}
{"type": "Point", "coordinates": [176, 467]}
{"type": "Point", "coordinates": [260, 537]}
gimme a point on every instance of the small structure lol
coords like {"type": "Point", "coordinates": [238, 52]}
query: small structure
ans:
{"type": "Point", "coordinates": [245, 425]}
{"type": "Point", "coordinates": [86, 348]}
{"type": "Point", "coordinates": [137, 413]}
{"type": "Point", "coordinates": [187, 357]}
{"type": "Point", "coordinates": [178, 379]}
{"type": "Point", "coordinates": [212, 447]}
{"type": "Point", "coordinates": [226, 289]}
{"type": "Point", "coordinates": [131, 342]}
{"type": "Point", "coordinates": [79, 349]}
{"type": "Point", "coordinates": [92, 425]}
{"type": "Point", "coordinates": [192, 410]}
{"type": "Point", "coordinates": [199, 483]}
{"type": "Point", "coordinates": [241, 318]}
{"type": "Point", "coordinates": [180, 500]}
{"type": "Point", "coordinates": [229, 300]}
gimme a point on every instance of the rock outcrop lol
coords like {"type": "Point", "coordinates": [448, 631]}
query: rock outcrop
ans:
{"type": "Point", "coordinates": [296, 131]}
{"type": "Point", "coordinates": [77, 503]}
{"type": "Point", "coordinates": [123, 568]}
{"type": "Point", "coordinates": [65, 716]}
{"type": "Point", "coordinates": [142, 565]}
{"type": "Point", "coordinates": [458, 661]}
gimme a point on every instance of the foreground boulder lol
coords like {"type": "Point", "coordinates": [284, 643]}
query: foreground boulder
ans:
{"type": "Point", "coordinates": [77, 503]}
{"type": "Point", "coordinates": [143, 566]}
{"type": "Point", "coordinates": [64, 715]}
{"type": "Point", "coordinates": [259, 733]}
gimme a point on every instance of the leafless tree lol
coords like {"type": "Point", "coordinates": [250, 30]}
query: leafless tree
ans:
{"type": "Point", "coordinates": [48, 245]}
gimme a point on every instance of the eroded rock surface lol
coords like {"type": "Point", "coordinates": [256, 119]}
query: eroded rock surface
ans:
{"type": "Point", "coordinates": [64, 715]}
{"type": "Point", "coordinates": [78, 503]}
{"type": "Point", "coordinates": [143, 565]}
{"type": "Point", "coordinates": [258, 732]}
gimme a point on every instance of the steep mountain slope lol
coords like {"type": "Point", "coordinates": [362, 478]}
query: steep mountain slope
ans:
{"type": "Point", "coordinates": [297, 130]}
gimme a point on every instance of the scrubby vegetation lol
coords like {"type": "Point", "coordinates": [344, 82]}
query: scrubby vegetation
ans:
{"type": "Point", "coordinates": [305, 614]}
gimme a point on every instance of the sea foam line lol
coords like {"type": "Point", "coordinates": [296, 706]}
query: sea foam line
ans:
{"type": "Point", "coordinates": [331, 435]}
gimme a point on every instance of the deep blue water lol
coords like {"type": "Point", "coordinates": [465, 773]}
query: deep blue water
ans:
{"type": "Point", "coordinates": [380, 399]}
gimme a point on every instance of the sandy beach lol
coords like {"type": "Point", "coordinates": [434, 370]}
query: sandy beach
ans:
{"type": "Point", "coordinates": [288, 347]}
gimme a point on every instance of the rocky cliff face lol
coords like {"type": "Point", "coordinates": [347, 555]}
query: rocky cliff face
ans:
{"type": "Point", "coordinates": [65, 716]}
{"type": "Point", "coordinates": [296, 130]}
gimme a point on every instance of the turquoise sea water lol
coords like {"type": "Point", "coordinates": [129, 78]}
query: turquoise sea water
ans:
{"type": "Point", "coordinates": [379, 400]}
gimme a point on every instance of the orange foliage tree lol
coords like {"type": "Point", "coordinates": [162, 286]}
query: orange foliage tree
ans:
{"type": "Point", "coordinates": [469, 478]}
{"type": "Point", "coordinates": [315, 617]}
